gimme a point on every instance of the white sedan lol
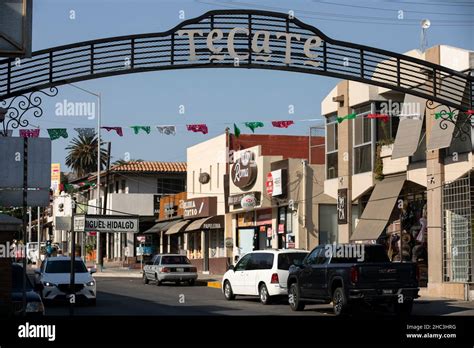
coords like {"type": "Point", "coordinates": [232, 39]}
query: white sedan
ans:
{"type": "Point", "coordinates": [54, 280]}
{"type": "Point", "coordinates": [262, 273]}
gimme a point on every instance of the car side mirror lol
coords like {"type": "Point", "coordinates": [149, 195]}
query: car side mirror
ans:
{"type": "Point", "coordinates": [92, 271]}
{"type": "Point", "coordinates": [231, 267]}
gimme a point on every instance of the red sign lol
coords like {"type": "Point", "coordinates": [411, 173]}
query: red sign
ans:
{"type": "Point", "coordinates": [281, 228]}
{"type": "Point", "coordinates": [269, 232]}
{"type": "Point", "coordinates": [269, 184]}
{"type": "Point", "coordinates": [92, 234]}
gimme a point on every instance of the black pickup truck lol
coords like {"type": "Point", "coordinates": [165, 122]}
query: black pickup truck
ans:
{"type": "Point", "coordinates": [349, 274]}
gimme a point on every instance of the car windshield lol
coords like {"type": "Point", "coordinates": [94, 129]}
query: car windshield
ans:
{"type": "Point", "coordinates": [175, 260]}
{"type": "Point", "coordinates": [65, 267]}
{"type": "Point", "coordinates": [17, 279]}
{"type": "Point", "coordinates": [287, 259]}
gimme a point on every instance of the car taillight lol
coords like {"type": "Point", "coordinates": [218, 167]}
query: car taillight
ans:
{"type": "Point", "coordinates": [275, 279]}
{"type": "Point", "coordinates": [354, 275]}
{"type": "Point", "coordinates": [165, 270]}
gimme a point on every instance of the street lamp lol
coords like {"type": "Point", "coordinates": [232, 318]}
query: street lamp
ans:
{"type": "Point", "coordinates": [98, 96]}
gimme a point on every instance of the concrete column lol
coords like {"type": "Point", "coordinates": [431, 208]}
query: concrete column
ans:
{"type": "Point", "coordinates": [345, 157]}
{"type": "Point", "coordinates": [435, 178]}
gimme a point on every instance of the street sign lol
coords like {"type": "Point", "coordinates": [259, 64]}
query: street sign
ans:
{"type": "Point", "coordinates": [106, 223]}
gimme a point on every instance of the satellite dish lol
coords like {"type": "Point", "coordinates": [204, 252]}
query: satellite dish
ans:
{"type": "Point", "coordinates": [425, 23]}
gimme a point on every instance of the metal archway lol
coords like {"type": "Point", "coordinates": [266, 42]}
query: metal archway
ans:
{"type": "Point", "coordinates": [262, 40]}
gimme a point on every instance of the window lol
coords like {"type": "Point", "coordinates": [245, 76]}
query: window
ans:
{"type": "Point", "coordinates": [157, 260]}
{"type": "Point", "coordinates": [311, 259]}
{"type": "Point", "coordinates": [387, 131]}
{"type": "Point", "coordinates": [287, 259]}
{"type": "Point", "coordinates": [170, 185]}
{"type": "Point", "coordinates": [175, 260]}
{"type": "Point", "coordinates": [331, 146]}
{"type": "Point", "coordinates": [261, 261]}
{"type": "Point", "coordinates": [362, 140]}
{"type": "Point", "coordinates": [123, 185]}
{"type": "Point", "coordinates": [242, 265]}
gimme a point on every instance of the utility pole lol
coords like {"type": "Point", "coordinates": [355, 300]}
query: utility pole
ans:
{"type": "Point", "coordinates": [106, 192]}
{"type": "Point", "coordinates": [39, 237]}
{"type": "Point", "coordinates": [25, 221]}
{"type": "Point", "coordinates": [72, 282]}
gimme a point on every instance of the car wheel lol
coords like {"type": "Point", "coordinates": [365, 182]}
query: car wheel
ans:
{"type": "Point", "coordinates": [404, 309]}
{"type": "Point", "coordinates": [228, 293]}
{"type": "Point", "coordinates": [264, 295]}
{"type": "Point", "coordinates": [145, 279]}
{"type": "Point", "coordinates": [158, 281]}
{"type": "Point", "coordinates": [191, 282]}
{"type": "Point", "coordinates": [294, 298]}
{"type": "Point", "coordinates": [339, 302]}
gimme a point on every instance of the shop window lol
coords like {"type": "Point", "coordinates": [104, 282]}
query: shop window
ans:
{"type": "Point", "coordinates": [331, 146]}
{"type": "Point", "coordinates": [387, 131]}
{"type": "Point", "coordinates": [362, 140]}
{"type": "Point", "coordinates": [327, 224]}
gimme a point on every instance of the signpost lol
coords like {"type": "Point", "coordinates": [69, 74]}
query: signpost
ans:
{"type": "Point", "coordinates": [106, 223]}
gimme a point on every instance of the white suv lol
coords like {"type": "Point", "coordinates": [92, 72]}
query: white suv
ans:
{"type": "Point", "coordinates": [262, 273]}
{"type": "Point", "coordinates": [54, 279]}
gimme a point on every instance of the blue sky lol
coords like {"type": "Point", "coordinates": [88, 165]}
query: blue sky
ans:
{"type": "Point", "coordinates": [220, 96]}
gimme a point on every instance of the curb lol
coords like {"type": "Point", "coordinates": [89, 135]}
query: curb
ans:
{"type": "Point", "coordinates": [216, 285]}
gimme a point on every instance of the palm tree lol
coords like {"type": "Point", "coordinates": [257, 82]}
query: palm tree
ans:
{"type": "Point", "coordinates": [82, 155]}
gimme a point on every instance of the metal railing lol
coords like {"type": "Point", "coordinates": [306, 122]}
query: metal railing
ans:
{"type": "Point", "coordinates": [167, 50]}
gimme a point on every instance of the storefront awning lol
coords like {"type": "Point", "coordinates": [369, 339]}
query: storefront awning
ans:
{"type": "Point", "coordinates": [441, 130]}
{"type": "Point", "coordinates": [178, 227]}
{"type": "Point", "coordinates": [379, 208]}
{"type": "Point", "coordinates": [409, 128]}
{"type": "Point", "coordinates": [162, 226]}
{"type": "Point", "coordinates": [210, 223]}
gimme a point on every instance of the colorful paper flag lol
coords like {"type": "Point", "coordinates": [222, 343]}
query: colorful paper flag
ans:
{"type": "Point", "coordinates": [137, 129]}
{"type": "Point", "coordinates": [443, 113]}
{"type": "Point", "coordinates": [253, 125]}
{"type": "Point", "coordinates": [56, 133]}
{"type": "Point", "coordinates": [197, 128]}
{"type": "Point", "coordinates": [29, 133]}
{"type": "Point", "coordinates": [347, 117]}
{"type": "Point", "coordinates": [282, 124]}
{"type": "Point", "coordinates": [167, 130]}
{"type": "Point", "coordinates": [384, 117]}
{"type": "Point", "coordinates": [236, 131]}
{"type": "Point", "coordinates": [85, 132]}
{"type": "Point", "coordinates": [118, 130]}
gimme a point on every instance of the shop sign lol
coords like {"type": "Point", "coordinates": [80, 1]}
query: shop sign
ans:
{"type": "Point", "coordinates": [237, 199]}
{"type": "Point", "coordinates": [244, 170]}
{"type": "Point", "coordinates": [141, 239]}
{"type": "Point", "coordinates": [229, 242]}
{"type": "Point", "coordinates": [274, 183]}
{"type": "Point", "coordinates": [269, 232]}
{"type": "Point", "coordinates": [212, 226]}
{"type": "Point", "coordinates": [106, 223]}
{"type": "Point", "coordinates": [281, 228]}
{"type": "Point", "coordinates": [264, 217]}
{"type": "Point", "coordinates": [248, 202]}
{"type": "Point", "coordinates": [156, 204]}
{"type": "Point", "coordinates": [199, 207]}
{"type": "Point", "coordinates": [342, 206]}
{"type": "Point", "coordinates": [245, 219]}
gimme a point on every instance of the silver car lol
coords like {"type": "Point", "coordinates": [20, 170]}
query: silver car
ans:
{"type": "Point", "coordinates": [169, 268]}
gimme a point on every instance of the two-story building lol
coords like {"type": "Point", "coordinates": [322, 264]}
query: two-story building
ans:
{"type": "Point", "coordinates": [407, 175]}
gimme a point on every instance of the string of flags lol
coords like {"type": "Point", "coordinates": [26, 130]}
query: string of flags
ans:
{"type": "Point", "coordinates": [57, 133]}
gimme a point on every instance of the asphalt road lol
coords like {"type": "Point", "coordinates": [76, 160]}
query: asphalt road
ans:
{"type": "Point", "coordinates": [129, 296]}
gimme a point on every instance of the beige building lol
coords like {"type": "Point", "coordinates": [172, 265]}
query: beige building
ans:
{"type": "Point", "coordinates": [409, 180]}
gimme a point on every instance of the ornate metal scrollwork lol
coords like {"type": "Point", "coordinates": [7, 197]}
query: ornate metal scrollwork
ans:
{"type": "Point", "coordinates": [19, 106]}
{"type": "Point", "coordinates": [448, 115]}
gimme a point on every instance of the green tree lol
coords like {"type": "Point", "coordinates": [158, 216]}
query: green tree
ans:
{"type": "Point", "coordinates": [122, 161]}
{"type": "Point", "coordinates": [82, 155]}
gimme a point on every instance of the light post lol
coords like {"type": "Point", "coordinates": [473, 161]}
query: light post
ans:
{"type": "Point", "coordinates": [98, 96]}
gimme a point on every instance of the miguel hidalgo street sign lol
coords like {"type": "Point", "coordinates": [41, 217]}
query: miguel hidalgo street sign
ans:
{"type": "Point", "coordinates": [106, 223]}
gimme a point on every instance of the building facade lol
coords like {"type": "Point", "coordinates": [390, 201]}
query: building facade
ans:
{"type": "Point", "coordinates": [407, 176]}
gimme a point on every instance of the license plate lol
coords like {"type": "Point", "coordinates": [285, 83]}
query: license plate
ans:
{"type": "Point", "coordinates": [179, 269]}
{"type": "Point", "coordinates": [386, 291]}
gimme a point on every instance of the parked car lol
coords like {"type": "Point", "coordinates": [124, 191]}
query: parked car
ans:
{"type": "Point", "coordinates": [34, 305]}
{"type": "Point", "coordinates": [261, 273]}
{"type": "Point", "coordinates": [348, 281]}
{"type": "Point", "coordinates": [169, 268]}
{"type": "Point", "coordinates": [54, 280]}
